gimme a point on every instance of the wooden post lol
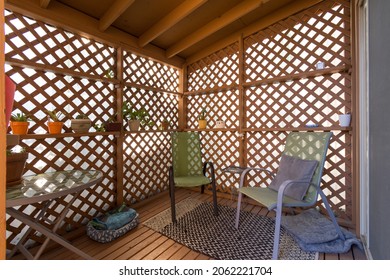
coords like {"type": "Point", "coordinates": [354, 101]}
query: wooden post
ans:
{"type": "Point", "coordinates": [241, 106]}
{"type": "Point", "coordinates": [120, 138]}
{"type": "Point", "coordinates": [183, 99]}
{"type": "Point", "coordinates": [2, 139]}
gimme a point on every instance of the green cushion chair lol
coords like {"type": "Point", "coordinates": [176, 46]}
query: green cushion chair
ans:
{"type": "Point", "coordinates": [187, 169]}
{"type": "Point", "coordinates": [297, 182]}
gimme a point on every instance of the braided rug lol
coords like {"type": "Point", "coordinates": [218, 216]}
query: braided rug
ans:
{"type": "Point", "coordinates": [216, 236]}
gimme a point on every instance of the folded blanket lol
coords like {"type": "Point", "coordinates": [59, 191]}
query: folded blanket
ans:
{"type": "Point", "coordinates": [114, 219]}
{"type": "Point", "coordinates": [314, 232]}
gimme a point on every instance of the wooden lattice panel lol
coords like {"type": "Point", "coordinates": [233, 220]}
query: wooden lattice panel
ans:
{"type": "Point", "coordinates": [222, 149]}
{"type": "Point", "coordinates": [217, 70]}
{"type": "Point", "coordinates": [38, 91]}
{"type": "Point", "coordinates": [159, 105]}
{"type": "Point", "coordinates": [297, 44]}
{"type": "Point", "coordinates": [295, 103]}
{"type": "Point", "coordinates": [146, 72]}
{"type": "Point", "coordinates": [265, 149]}
{"type": "Point", "coordinates": [146, 160]}
{"type": "Point", "coordinates": [55, 154]}
{"type": "Point", "coordinates": [222, 106]}
{"type": "Point", "coordinates": [33, 41]}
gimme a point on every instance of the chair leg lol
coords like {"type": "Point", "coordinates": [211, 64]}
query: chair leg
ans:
{"type": "Point", "coordinates": [331, 215]}
{"type": "Point", "coordinates": [238, 209]}
{"type": "Point", "coordinates": [278, 220]}
{"type": "Point", "coordinates": [215, 198]}
{"type": "Point", "coordinates": [172, 195]}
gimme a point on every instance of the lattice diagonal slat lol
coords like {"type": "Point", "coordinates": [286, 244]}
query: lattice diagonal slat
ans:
{"type": "Point", "coordinates": [293, 104]}
{"type": "Point", "coordinates": [34, 41]}
{"type": "Point", "coordinates": [298, 43]}
{"type": "Point", "coordinates": [222, 106]}
{"type": "Point", "coordinates": [38, 91]}
{"type": "Point", "coordinates": [146, 159]}
{"type": "Point", "coordinates": [216, 70]}
{"type": "Point", "coordinates": [222, 149]}
{"type": "Point", "coordinates": [53, 154]}
{"type": "Point", "coordinates": [146, 72]}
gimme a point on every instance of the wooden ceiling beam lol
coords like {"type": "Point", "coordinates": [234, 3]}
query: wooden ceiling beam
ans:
{"type": "Point", "coordinates": [170, 20]}
{"type": "Point", "coordinates": [44, 3]}
{"type": "Point", "coordinates": [278, 15]}
{"type": "Point", "coordinates": [233, 14]}
{"type": "Point", "coordinates": [113, 13]}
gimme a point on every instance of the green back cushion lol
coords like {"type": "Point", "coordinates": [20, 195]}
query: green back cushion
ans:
{"type": "Point", "coordinates": [186, 154]}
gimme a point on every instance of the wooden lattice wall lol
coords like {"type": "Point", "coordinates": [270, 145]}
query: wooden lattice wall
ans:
{"type": "Point", "coordinates": [57, 69]}
{"type": "Point", "coordinates": [267, 84]}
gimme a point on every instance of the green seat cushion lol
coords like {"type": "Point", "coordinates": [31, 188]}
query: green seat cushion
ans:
{"type": "Point", "coordinates": [267, 196]}
{"type": "Point", "coordinates": [191, 181]}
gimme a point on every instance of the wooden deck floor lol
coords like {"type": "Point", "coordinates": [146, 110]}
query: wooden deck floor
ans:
{"type": "Point", "coordinates": [143, 243]}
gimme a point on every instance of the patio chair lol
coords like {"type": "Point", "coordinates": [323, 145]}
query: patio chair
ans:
{"type": "Point", "coordinates": [297, 182]}
{"type": "Point", "coordinates": [187, 169]}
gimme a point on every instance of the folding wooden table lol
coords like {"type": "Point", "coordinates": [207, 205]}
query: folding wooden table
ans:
{"type": "Point", "coordinates": [45, 188]}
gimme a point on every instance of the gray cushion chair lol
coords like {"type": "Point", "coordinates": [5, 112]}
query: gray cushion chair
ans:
{"type": "Point", "coordinates": [297, 182]}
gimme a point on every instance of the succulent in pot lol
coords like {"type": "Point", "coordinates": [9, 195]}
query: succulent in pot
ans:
{"type": "Point", "coordinates": [54, 124]}
{"type": "Point", "coordinates": [81, 123]}
{"type": "Point", "coordinates": [19, 123]}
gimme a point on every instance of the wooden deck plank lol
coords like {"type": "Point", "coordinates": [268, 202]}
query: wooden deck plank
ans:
{"type": "Point", "coordinates": [144, 243]}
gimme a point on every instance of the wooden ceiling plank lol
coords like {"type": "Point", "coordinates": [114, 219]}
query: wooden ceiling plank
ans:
{"type": "Point", "coordinates": [170, 20]}
{"type": "Point", "coordinates": [44, 3]}
{"type": "Point", "coordinates": [233, 14]}
{"type": "Point", "coordinates": [278, 15]}
{"type": "Point", "coordinates": [113, 13]}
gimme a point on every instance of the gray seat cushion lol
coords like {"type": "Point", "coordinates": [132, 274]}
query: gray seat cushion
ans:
{"type": "Point", "coordinates": [293, 168]}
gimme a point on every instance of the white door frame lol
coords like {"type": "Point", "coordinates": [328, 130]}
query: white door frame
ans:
{"type": "Point", "coordinates": [364, 129]}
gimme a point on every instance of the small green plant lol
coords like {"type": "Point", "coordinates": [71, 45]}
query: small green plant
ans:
{"type": "Point", "coordinates": [54, 115]}
{"type": "Point", "coordinates": [202, 115]}
{"type": "Point", "coordinates": [99, 127]}
{"type": "Point", "coordinates": [81, 117]}
{"type": "Point", "coordinates": [20, 117]}
{"type": "Point", "coordinates": [129, 113]}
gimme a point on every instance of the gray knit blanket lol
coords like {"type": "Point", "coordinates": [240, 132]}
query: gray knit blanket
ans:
{"type": "Point", "coordinates": [314, 232]}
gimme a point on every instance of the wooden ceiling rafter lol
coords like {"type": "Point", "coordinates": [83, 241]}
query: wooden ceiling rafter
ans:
{"type": "Point", "coordinates": [170, 20]}
{"type": "Point", "coordinates": [225, 19]}
{"type": "Point", "coordinates": [44, 3]}
{"type": "Point", "coordinates": [113, 13]}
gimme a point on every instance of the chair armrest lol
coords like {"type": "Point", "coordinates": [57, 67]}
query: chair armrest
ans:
{"type": "Point", "coordinates": [211, 166]}
{"type": "Point", "coordinates": [247, 169]}
{"type": "Point", "coordinates": [286, 184]}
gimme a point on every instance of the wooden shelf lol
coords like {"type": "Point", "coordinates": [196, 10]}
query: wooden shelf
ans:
{"type": "Point", "coordinates": [64, 135]}
{"type": "Point", "coordinates": [302, 128]}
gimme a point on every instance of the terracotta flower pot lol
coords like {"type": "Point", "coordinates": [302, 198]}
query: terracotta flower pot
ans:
{"type": "Point", "coordinates": [55, 127]}
{"type": "Point", "coordinates": [15, 167]}
{"type": "Point", "coordinates": [19, 128]}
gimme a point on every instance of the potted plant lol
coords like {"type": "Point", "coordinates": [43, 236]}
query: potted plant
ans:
{"type": "Point", "coordinates": [136, 118]}
{"type": "Point", "coordinates": [19, 123]}
{"type": "Point", "coordinates": [16, 161]}
{"type": "Point", "coordinates": [81, 123]}
{"type": "Point", "coordinates": [112, 124]}
{"type": "Point", "coordinates": [202, 122]}
{"type": "Point", "coordinates": [165, 124]}
{"type": "Point", "coordinates": [345, 119]}
{"type": "Point", "coordinates": [54, 124]}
